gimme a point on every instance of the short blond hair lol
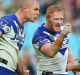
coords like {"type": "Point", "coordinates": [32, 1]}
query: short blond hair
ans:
{"type": "Point", "coordinates": [51, 9]}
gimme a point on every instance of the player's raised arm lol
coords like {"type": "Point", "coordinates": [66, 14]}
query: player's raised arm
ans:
{"type": "Point", "coordinates": [50, 50]}
{"type": "Point", "coordinates": [55, 46]}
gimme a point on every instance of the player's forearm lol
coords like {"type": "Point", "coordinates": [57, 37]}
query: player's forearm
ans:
{"type": "Point", "coordinates": [70, 57]}
{"type": "Point", "coordinates": [76, 68]}
{"type": "Point", "coordinates": [71, 60]}
{"type": "Point", "coordinates": [0, 33]}
{"type": "Point", "coordinates": [55, 46]}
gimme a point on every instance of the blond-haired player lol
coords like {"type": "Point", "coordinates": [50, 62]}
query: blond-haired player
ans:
{"type": "Point", "coordinates": [51, 43]}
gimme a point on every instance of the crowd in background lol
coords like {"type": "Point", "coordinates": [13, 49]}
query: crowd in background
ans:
{"type": "Point", "coordinates": [72, 14]}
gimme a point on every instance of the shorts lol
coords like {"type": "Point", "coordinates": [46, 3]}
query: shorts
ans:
{"type": "Point", "coordinates": [5, 71]}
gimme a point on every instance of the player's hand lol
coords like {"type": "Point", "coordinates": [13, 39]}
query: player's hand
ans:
{"type": "Point", "coordinates": [70, 66]}
{"type": "Point", "coordinates": [67, 29]}
{"type": "Point", "coordinates": [25, 72]}
{"type": "Point", "coordinates": [21, 69]}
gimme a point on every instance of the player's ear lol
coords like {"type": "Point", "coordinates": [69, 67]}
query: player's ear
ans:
{"type": "Point", "coordinates": [25, 8]}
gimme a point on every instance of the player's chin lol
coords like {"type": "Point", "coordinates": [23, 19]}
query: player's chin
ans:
{"type": "Point", "coordinates": [33, 20]}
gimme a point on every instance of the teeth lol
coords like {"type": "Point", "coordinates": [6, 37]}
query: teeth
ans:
{"type": "Point", "coordinates": [57, 25]}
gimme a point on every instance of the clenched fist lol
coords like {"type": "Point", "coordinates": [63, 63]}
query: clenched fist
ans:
{"type": "Point", "coordinates": [67, 29]}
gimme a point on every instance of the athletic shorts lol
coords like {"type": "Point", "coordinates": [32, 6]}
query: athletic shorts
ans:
{"type": "Point", "coordinates": [5, 71]}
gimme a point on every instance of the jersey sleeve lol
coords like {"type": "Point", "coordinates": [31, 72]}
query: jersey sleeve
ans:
{"type": "Point", "coordinates": [4, 26]}
{"type": "Point", "coordinates": [39, 41]}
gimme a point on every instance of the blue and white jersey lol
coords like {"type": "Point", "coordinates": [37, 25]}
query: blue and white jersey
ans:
{"type": "Point", "coordinates": [12, 39]}
{"type": "Point", "coordinates": [58, 63]}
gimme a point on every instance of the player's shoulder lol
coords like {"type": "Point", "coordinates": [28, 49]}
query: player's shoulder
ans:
{"type": "Point", "coordinates": [7, 17]}
{"type": "Point", "coordinates": [6, 20]}
{"type": "Point", "coordinates": [3, 22]}
{"type": "Point", "coordinates": [38, 32]}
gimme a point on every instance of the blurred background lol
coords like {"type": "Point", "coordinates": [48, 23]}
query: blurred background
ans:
{"type": "Point", "coordinates": [72, 14]}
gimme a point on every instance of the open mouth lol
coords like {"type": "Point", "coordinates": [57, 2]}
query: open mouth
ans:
{"type": "Point", "coordinates": [58, 25]}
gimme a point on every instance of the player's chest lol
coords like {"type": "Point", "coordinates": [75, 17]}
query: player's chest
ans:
{"type": "Point", "coordinates": [19, 35]}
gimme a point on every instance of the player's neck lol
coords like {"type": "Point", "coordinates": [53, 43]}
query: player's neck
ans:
{"type": "Point", "coordinates": [21, 17]}
{"type": "Point", "coordinates": [48, 26]}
